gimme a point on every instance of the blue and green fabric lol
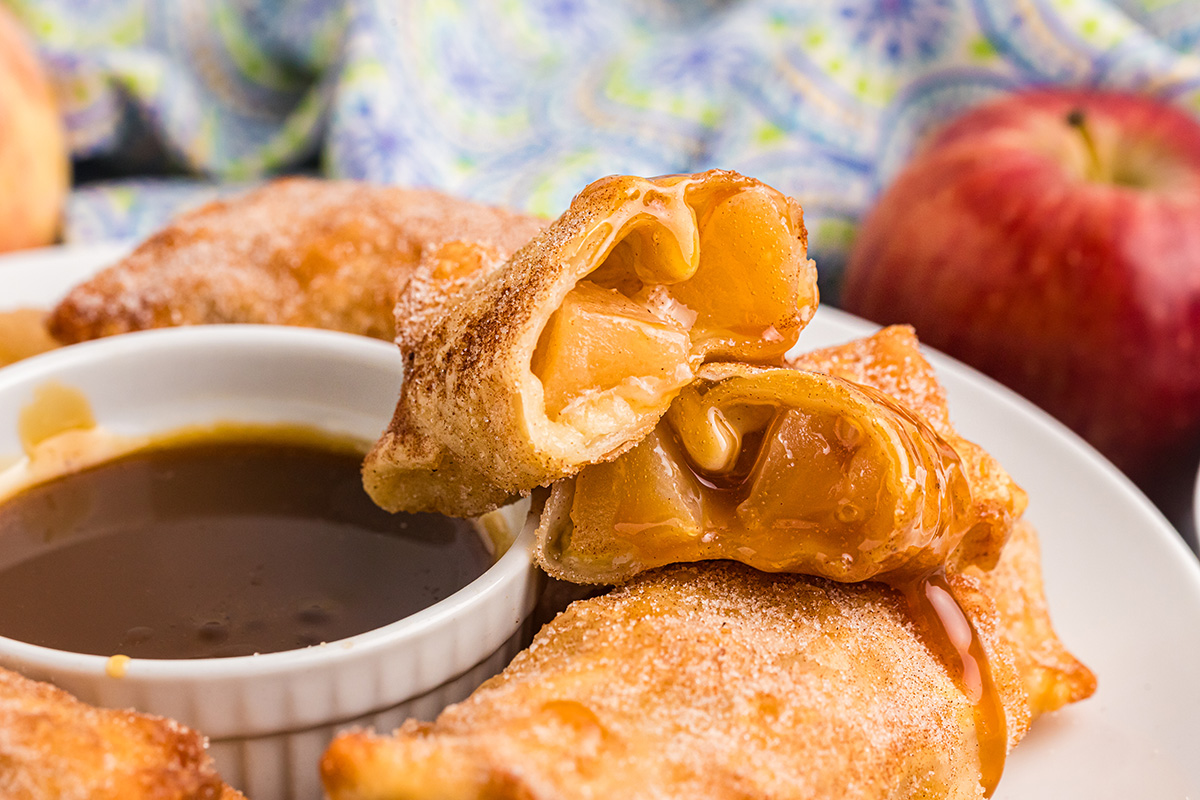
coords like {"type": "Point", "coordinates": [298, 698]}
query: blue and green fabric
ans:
{"type": "Point", "coordinates": [522, 102]}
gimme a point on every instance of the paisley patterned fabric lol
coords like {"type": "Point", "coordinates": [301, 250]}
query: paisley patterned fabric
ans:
{"type": "Point", "coordinates": [522, 102]}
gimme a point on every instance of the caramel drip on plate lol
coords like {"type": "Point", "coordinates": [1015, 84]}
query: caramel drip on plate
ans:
{"type": "Point", "coordinates": [950, 634]}
{"type": "Point", "coordinates": [116, 666]}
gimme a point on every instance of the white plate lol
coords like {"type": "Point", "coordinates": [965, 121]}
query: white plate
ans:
{"type": "Point", "coordinates": [1123, 588]}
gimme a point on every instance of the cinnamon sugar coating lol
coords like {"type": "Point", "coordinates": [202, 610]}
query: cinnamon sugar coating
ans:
{"type": "Point", "coordinates": [54, 746]}
{"type": "Point", "coordinates": [298, 251]}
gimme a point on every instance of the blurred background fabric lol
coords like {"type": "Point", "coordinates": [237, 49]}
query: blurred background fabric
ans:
{"type": "Point", "coordinates": [170, 103]}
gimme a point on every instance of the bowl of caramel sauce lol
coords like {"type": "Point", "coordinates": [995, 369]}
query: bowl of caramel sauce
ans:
{"type": "Point", "coordinates": [183, 530]}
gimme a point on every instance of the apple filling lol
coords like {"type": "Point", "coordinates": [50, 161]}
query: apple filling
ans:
{"type": "Point", "coordinates": [784, 470]}
{"type": "Point", "coordinates": [602, 354]}
{"type": "Point", "coordinates": [687, 272]}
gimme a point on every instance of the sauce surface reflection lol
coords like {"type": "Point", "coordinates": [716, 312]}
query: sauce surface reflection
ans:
{"type": "Point", "coordinates": [219, 548]}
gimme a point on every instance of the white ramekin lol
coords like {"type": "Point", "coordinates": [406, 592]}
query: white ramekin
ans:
{"type": "Point", "coordinates": [269, 717]}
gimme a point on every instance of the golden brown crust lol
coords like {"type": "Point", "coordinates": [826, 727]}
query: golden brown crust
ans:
{"type": "Point", "coordinates": [470, 430]}
{"type": "Point", "coordinates": [1053, 676]}
{"type": "Point", "coordinates": [708, 680]}
{"type": "Point", "coordinates": [298, 251]}
{"type": "Point", "coordinates": [53, 746]}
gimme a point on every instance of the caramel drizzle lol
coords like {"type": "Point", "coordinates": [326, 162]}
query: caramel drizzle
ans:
{"type": "Point", "coordinates": [949, 632]}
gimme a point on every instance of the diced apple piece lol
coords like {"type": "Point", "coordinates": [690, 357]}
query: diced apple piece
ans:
{"type": "Point", "coordinates": [821, 494]}
{"type": "Point", "coordinates": [861, 486]}
{"type": "Point", "coordinates": [747, 286]}
{"type": "Point", "coordinates": [641, 508]}
{"type": "Point", "coordinates": [602, 348]}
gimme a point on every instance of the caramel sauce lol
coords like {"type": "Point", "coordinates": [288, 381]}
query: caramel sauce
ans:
{"type": "Point", "coordinates": [727, 273]}
{"type": "Point", "coordinates": [948, 632]}
{"type": "Point", "coordinates": [23, 334]}
{"type": "Point", "coordinates": [219, 547]}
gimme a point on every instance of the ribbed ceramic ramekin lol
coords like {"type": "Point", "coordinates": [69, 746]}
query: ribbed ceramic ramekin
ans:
{"type": "Point", "coordinates": [269, 717]}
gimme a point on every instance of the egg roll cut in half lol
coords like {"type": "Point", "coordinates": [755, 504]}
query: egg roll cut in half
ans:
{"type": "Point", "coordinates": [707, 680]}
{"type": "Point", "coordinates": [297, 251]}
{"type": "Point", "coordinates": [782, 469]}
{"type": "Point", "coordinates": [570, 352]}
{"type": "Point", "coordinates": [848, 469]}
{"type": "Point", "coordinates": [54, 746]}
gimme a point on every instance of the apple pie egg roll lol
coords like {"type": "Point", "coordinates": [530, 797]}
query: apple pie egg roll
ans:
{"type": "Point", "coordinates": [798, 469]}
{"type": "Point", "coordinates": [55, 746]}
{"type": "Point", "coordinates": [296, 251]}
{"type": "Point", "coordinates": [719, 681]}
{"type": "Point", "coordinates": [570, 352]}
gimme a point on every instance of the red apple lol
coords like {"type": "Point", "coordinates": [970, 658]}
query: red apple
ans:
{"type": "Point", "coordinates": [1052, 240]}
{"type": "Point", "coordinates": [34, 164]}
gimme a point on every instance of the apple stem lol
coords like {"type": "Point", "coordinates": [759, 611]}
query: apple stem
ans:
{"type": "Point", "coordinates": [1077, 119]}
